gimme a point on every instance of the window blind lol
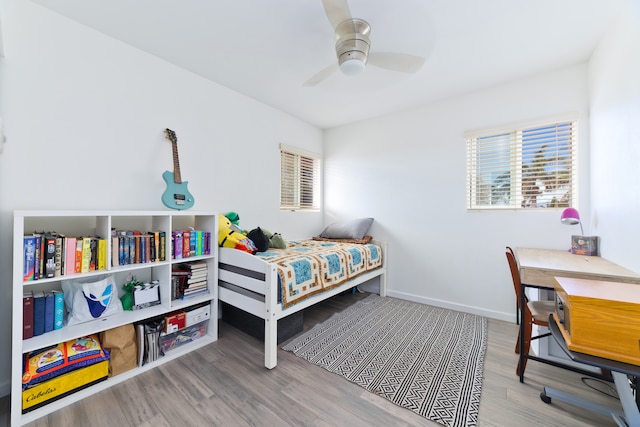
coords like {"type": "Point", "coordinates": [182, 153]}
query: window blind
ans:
{"type": "Point", "coordinates": [528, 167]}
{"type": "Point", "coordinates": [299, 179]}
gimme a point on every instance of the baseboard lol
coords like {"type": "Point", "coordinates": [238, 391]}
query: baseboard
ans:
{"type": "Point", "coordinates": [507, 317]}
{"type": "Point", "coordinates": [5, 388]}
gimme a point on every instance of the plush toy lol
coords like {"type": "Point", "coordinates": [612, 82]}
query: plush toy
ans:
{"type": "Point", "coordinates": [228, 237]}
{"type": "Point", "coordinates": [233, 217]}
{"type": "Point", "coordinates": [276, 240]}
{"type": "Point", "coordinates": [260, 239]}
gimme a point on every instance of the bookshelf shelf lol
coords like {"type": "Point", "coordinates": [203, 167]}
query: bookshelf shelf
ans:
{"type": "Point", "coordinates": [101, 223]}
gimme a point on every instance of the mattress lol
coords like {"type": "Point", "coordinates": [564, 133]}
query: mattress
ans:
{"type": "Point", "coordinates": [308, 267]}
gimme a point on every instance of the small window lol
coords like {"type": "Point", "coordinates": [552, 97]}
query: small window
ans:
{"type": "Point", "coordinates": [523, 168]}
{"type": "Point", "coordinates": [299, 179]}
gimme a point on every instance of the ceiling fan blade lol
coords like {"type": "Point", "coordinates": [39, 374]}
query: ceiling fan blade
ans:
{"type": "Point", "coordinates": [402, 62]}
{"type": "Point", "coordinates": [321, 75]}
{"type": "Point", "coordinates": [337, 11]}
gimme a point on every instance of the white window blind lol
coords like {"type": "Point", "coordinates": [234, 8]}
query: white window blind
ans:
{"type": "Point", "coordinates": [299, 179]}
{"type": "Point", "coordinates": [527, 167]}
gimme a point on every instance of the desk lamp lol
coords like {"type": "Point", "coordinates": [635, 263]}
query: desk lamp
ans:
{"type": "Point", "coordinates": [570, 216]}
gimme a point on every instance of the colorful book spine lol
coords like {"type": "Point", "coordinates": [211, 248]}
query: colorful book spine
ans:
{"type": "Point", "coordinates": [29, 258]}
{"type": "Point", "coordinates": [38, 257]}
{"type": "Point", "coordinates": [58, 309]}
{"type": "Point", "coordinates": [86, 255]}
{"type": "Point", "coordinates": [78, 264]}
{"type": "Point", "coordinates": [177, 244]}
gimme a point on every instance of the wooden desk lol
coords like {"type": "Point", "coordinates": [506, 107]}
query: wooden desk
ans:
{"type": "Point", "coordinates": [539, 267]}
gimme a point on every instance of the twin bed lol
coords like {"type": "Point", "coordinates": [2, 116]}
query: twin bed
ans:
{"type": "Point", "coordinates": [279, 282]}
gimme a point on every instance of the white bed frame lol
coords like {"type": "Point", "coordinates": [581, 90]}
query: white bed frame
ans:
{"type": "Point", "coordinates": [251, 284]}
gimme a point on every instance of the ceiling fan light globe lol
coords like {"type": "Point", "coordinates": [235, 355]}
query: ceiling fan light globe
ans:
{"type": "Point", "coordinates": [352, 67]}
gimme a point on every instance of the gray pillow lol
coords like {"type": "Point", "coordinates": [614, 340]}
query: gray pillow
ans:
{"type": "Point", "coordinates": [353, 229]}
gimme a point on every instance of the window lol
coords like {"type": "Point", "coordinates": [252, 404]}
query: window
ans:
{"type": "Point", "coordinates": [299, 179]}
{"type": "Point", "coordinates": [528, 167]}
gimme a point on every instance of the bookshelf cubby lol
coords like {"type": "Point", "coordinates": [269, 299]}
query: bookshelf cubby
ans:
{"type": "Point", "coordinates": [101, 223]}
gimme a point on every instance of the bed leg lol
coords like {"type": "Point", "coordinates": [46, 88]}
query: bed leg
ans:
{"type": "Point", "coordinates": [270, 343]}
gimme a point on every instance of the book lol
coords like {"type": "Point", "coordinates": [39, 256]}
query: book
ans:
{"type": "Point", "coordinates": [86, 255]}
{"type": "Point", "coordinates": [177, 244]}
{"type": "Point", "coordinates": [115, 251]}
{"type": "Point", "coordinates": [38, 313]}
{"type": "Point", "coordinates": [93, 262]}
{"type": "Point", "coordinates": [58, 309]}
{"type": "Point", "coordinates": [58, 256]}
{"type": "Point", "coordinates": [78, 264]}
{"type": "Point", "coordinates": [37, 271]}
{"type": "Point", "coordinates": [49, 256]}
{"type": "Point", "coordinates": [102, 254]}
{"type": "Point", "coordinates": [29, 258]}
{"type": "Point", "coordinates": [70, 256]}
{"type": "Point", "coordinates": [48, 312]}
{"type": "Point", "coordinates": [163, 246]}
{"type": "Point", "coordinates": [27, 315]}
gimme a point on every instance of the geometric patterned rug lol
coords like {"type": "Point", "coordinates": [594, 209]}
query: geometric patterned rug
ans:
{"type": "Point", "coordinates": [426, 359]}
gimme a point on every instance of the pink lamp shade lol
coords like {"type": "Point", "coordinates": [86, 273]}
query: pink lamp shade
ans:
{"type": "Point", "coordinates": [570, 216]}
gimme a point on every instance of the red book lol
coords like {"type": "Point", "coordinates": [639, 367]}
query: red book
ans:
{"type": "Point", "coordinates": [27, 315]}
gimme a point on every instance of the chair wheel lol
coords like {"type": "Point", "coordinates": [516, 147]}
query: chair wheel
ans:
{"type": "Point", "coordinates": [545, 398]}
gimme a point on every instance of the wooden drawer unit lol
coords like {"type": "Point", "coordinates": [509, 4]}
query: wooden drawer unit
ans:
{"type": "Point", "coordinates": [599, 318]}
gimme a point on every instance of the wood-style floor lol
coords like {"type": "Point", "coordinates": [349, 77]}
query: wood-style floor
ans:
{"type": "Point", "coordinates": [225, 384]}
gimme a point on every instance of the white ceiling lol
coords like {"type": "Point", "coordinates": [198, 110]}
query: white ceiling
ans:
{"type": "Point", "coordinates": [267, 49]}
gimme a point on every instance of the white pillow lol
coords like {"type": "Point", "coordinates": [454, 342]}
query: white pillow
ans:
{"type": "Point", "coordinates": [88, 300]}
{"type": "Point", "coordinates": [353, 229]}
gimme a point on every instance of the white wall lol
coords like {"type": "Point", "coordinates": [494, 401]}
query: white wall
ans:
{"type": "Point", "coordinates": [84, 117]}
{"type": "Point", "coordinates": [407, 170]}
{"type": "Point", "coordinates": [614, 91]}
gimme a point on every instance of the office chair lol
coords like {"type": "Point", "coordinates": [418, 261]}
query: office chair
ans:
{"type": "Point", "coordinates": [533, 313]}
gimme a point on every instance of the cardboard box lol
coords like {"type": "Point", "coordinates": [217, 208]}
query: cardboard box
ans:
{"type": "Point", "coordinates": [175, 321]}
{"type": "Point", "coordinates": [584, 245]}
{"type": "Point", "coordinates": [58, 387]}
{"type": "Point", "coordinates": [198, 315]}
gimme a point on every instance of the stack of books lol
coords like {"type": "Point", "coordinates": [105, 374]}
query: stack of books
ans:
{"type": "Point", "coordinates": [136, 247]}
{"type": "Point", "coordinates": [42, 312]}
{"type": "Point", "coordinates": [189, 280]}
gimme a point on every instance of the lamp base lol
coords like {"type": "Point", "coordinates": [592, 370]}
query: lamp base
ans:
{"type": "Point", "coordinates": [584, 245]}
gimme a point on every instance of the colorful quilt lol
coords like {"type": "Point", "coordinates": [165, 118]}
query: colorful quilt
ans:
{"type": "Point", "coordinates": [309, 267]}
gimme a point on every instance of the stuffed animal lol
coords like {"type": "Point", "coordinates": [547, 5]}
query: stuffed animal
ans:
{"type": "Point", "coordinates": [228, 237]}
{"type": "Point", "coordinates": [233, 217]}
{"type": "Point", "coordinates": [276, 240]}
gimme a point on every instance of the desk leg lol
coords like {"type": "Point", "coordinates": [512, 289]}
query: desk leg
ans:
{"type": "Point", "coordinates": [629, 416]}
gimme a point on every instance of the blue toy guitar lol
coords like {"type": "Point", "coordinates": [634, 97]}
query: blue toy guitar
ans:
{"type": "Point", "coordinates": [177, 195]}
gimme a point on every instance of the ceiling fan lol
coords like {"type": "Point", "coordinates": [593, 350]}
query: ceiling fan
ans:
{"type": "Point", "coordinates": [353, 44]}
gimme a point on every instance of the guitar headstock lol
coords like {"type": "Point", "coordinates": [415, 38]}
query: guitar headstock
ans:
{"type": "Point", "coordinates": [171, 135]}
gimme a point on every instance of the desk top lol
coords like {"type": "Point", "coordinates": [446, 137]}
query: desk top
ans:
{"type": "Point", "coordinates": [539, 266]}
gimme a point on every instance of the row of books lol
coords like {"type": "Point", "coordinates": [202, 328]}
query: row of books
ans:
{"type": "Point", "coordinates": [42, 312]}
{"type": "Point", "coordinates": [189, 280]}
{"type": "Point", "coordinates": [51, 254]}
{"type": "Point", "coordinates": [136, 247]}
{"type": "Point", "coordinates": [189, 243]}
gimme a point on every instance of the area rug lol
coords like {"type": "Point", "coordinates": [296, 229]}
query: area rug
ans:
{"type": "Point", "coordinates": [426, 359]}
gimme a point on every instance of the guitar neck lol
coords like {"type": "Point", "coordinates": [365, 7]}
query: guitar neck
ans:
{"type": "Point", "coordinates": [176, 163]}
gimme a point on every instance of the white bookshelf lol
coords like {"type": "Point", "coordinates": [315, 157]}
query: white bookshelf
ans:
{"type": "Point", "coordinates": [100, 223]}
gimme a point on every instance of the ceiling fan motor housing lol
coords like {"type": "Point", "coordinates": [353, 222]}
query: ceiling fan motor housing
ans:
{"type": "Point", "coordinates": [352, 40]}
